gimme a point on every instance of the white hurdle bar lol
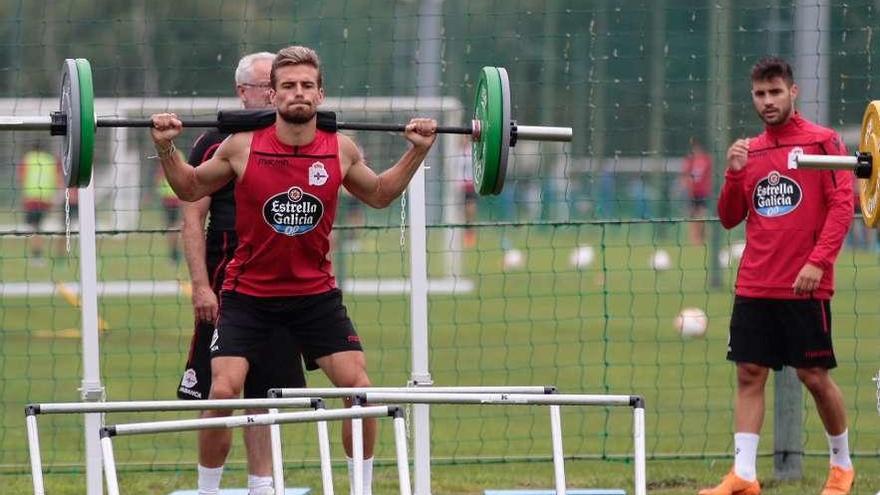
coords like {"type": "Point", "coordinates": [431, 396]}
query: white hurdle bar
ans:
{"type": "Point", "coordinates": [343, 392]}
{"type": "Point", "coordinates": [32, 410]}
{"type": "Point", "coordinates": [554, 401]}
{"type": "Point", "coordinates": [107, 432]}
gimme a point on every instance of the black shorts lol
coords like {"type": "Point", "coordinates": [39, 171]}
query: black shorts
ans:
{"type": "Point", "coordinates": [34, 217]}
{"type": "Point", "coordinates": [279, 368]}
{"type": "Point", "coordinates": [319, 324]}
{"type": "Point", "coordinates": [781, 332]}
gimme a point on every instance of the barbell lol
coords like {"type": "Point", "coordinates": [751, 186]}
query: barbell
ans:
{"type": "Point", "coordinates": [493, 132]}
{"type": "Point", "coordinates": [862, 164]}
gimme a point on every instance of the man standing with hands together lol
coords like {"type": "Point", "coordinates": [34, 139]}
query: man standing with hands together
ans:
{"type": "Point", "coordinates": [796, 222]}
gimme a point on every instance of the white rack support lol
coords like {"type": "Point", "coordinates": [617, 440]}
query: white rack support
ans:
{"type": "Point", "coordinates": [275, 449]}
{"type": "Point", "coordinates": [324, 450]}
{"type": "Point", "coordinates": [108, 432]}
{"type": "Point", "coordinates": [558, 452]}
{"type": "Point", "coordinates": [33, 410]}
{"type": "Point", "coordinates": [401, 450]}
{"type": "Point", "coordinates": [357, 449]}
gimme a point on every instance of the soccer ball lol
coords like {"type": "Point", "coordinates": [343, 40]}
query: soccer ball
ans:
{"type": "Point", "coordinates": [582, 257]}
{"type": "Point", "coordinates": [730, 256]}
{"type": "Point", "coordinates": [661, 260]}
{"type": "Point", "coordinates": [691, 322]}
{"type": "Point", "coordinates": [513, 259]}
{"type": "Point", "coordinates": [736, 250]}
{"type": "Point", "coordinates": [724, 257]}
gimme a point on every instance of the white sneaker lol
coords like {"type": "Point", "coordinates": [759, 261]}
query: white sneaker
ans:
{"type": "Point", "coordinates": [263, 490]}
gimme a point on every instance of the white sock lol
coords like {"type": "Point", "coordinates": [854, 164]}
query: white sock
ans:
{"type": "Point", "coordinates": [209, 480]}
{"type": "Point", "coordinates": [368, 475]}
{"type": "Point", "coordinates": [839, 448]}
{"type": "Point", "coordinates": [255, 482]}
{"type": "Point", "coordinates": [745, 455]}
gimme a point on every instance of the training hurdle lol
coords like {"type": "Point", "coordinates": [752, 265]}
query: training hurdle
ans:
{"type": "Point", "coordinates": [353, 413]}
{"type": "Point", "coordinates": [356, 392]}
{"type": "Point", "coordinates": [427, 396]}
{"type": "Point", "coordinates": [33, 410]}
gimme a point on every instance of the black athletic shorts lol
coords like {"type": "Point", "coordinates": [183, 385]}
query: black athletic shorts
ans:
{"type": "Point", "coordinates": [280, 369]}
{"type": "Point", "coordinates": [781, 332]}
{"type": "Point", "coordinates": [318, 323]}
{"type": "Point", "coordinates": [279, 366]}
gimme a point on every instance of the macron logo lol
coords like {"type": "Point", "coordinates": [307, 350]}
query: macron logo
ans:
{"type": "Point", "coordinates": [214, 347]}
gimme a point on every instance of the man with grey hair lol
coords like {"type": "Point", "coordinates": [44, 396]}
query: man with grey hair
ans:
{"type": "Point", "coordinates": [207, 254]}
{"type": "Point", "coordinates": [286, 196]}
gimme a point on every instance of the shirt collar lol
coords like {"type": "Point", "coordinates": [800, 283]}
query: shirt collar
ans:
{"type": "Point", "coordinates": [795, 122]}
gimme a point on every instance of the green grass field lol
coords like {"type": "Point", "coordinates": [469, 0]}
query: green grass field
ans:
{"type": "Point", "coordinates": [604, 329]}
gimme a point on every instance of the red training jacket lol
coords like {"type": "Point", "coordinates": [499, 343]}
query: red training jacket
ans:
{"type": "Point", "coordinates": [793, 216]}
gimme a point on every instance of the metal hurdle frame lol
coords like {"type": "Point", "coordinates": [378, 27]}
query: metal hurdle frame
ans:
{"type": "Point", "coordinates": [426, 396]}
{"type": "Point", "coordinates": [33, 410]}
{"type": "Point", "coordinates": [318, 415]}
{"type": "Point", "coordinates": [554, 401]}
{"type": "Point", "coordinates": [355, 393]}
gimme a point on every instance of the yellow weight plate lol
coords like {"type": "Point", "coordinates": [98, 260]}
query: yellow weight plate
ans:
{"type": "Point", "coordinates": [869, 142]}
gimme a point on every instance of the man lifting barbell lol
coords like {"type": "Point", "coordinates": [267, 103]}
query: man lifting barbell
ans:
{"type": "Point", "coordinates": [207, 254]}
{"type": "Point", "coordinates": [281, 276]}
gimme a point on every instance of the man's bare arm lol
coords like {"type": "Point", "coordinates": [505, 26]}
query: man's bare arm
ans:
{"type": "Point", "coordinates": [188, 183]}
{"type": "Point", "coordinates": [380, 190]}
{"type": "Point", "coordinates": [193, 233]}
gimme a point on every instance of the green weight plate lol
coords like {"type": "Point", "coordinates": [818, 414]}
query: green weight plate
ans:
{"type": "Point", "coordinates": [485, 151]}
{"type": "Point", "coordinates": [504, 150]}
{"type": "Point", "coordinates": [70, 107]}
{"type": "Point", "coordinates": [87, 121]}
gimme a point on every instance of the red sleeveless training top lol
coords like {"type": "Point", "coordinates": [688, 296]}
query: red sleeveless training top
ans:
{"type": "Point", "coordinates": [285, 207]}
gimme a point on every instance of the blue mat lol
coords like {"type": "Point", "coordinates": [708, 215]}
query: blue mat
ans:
{"type": "Point", "coordinates": [243, 491]}
{"type": "Point", "coordinates": [570, 491]}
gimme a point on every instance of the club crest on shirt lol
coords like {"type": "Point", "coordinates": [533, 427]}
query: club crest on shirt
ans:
{"type": "Point", "coordinates": [190, 379]}
{"type": "Point", "coordinates": [792, 157]}
{"type": "Point", "coordinates": [317, 174]}
{"type": "Point", "coordinates": [776, 195]}
{"type": "Point", "coordinates": [293, 212]}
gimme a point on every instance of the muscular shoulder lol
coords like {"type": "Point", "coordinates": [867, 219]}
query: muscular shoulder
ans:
{"type": "Point", "coordinates": [235, 150]}
{"type": "Point", "coordinates": [349, 152]}
{"type": "Point", "coordinates": [236, 144]}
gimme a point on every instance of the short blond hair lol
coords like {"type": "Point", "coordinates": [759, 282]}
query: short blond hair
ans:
{"type": "Point", "coordinates": [296, 55]}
